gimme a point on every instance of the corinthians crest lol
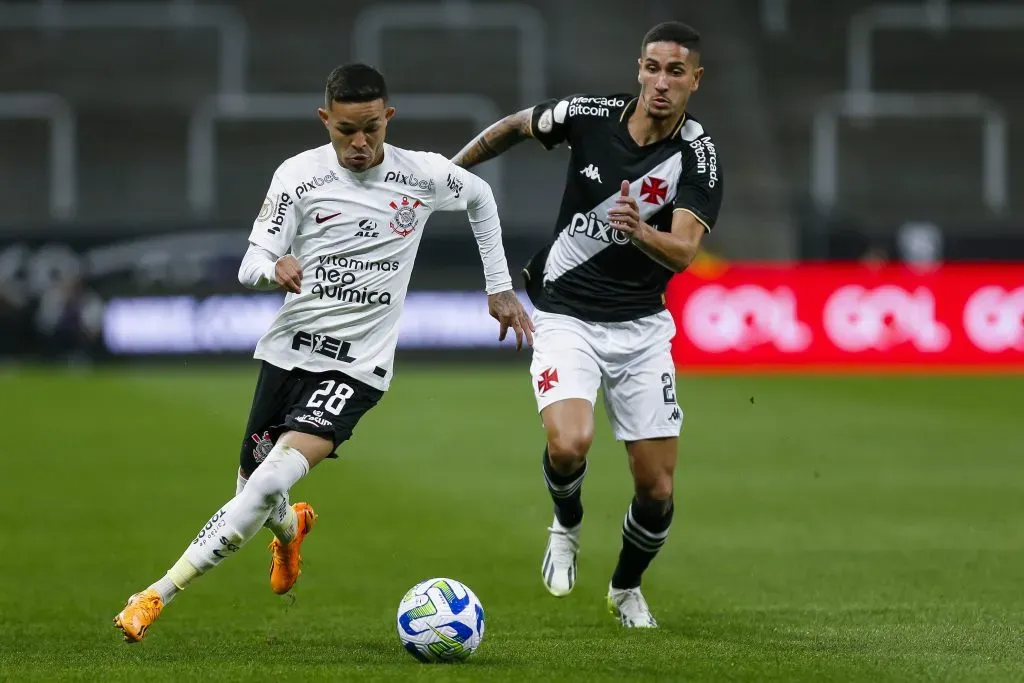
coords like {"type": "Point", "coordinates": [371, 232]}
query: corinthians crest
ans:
{"type": "Point", "coordinates": [405, 221]}
{"type": "Point", "coordinates": [263, 446]}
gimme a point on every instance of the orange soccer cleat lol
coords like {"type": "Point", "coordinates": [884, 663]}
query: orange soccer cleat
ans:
{"type": "Point", "coordinates": [137, 616]}
{"type": "Point", "coordinates": [285, 563]}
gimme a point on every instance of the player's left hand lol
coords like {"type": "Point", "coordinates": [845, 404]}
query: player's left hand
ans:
{"type": "Point", "coordinates": [625, 215]}
{"type": "Point", "coordinates": [507, 310]}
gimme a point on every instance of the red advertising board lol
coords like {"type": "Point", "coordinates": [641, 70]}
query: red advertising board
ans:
{"type": "Point", "coordinates": [750, 316]}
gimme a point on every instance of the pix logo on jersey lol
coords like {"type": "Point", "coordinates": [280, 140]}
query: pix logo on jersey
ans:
{"type": "Point", "coordinates": [405, 220]}
{"type": "Point", "coordinates": [593, 227]}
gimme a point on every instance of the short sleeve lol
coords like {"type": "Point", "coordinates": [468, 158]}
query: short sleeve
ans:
{"type": "Point", "coordinates": [700, 184]}
{"type": "Point", "coordinates": [278, 220]}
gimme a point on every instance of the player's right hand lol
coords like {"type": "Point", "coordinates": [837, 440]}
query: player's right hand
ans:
{"type": "Point", "coordinates": [289, 273]}
{"type": "Point", "coordinates": [507, 310]}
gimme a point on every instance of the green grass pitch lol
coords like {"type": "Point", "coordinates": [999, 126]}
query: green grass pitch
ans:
{"type": "Point", "coordinates": [827, 529]}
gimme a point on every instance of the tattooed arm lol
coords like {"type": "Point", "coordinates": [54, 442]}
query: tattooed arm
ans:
{"type": "Point", "coordinates": [497, 139]}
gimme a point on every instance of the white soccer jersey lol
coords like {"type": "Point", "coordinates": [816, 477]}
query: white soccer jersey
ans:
{"type": "Point", "coordinates": [356, 236]}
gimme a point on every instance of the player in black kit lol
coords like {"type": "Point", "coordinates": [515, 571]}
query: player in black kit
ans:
{"type": "Point", "coordinates": [644, 185]}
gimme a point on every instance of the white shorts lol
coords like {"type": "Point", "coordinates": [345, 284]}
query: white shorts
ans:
{"type": "Point", "coordinates": [631, 361]}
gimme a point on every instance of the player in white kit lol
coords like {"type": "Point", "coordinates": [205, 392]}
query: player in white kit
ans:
{"type": "Point", "coordinates": [339, 231]}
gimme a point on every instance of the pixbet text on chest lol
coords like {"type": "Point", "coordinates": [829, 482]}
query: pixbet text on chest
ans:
{"type": "Point", "coordinates": [593, 227]}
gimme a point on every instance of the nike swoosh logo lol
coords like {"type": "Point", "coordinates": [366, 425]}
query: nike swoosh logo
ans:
{"type": "Point", "coordinates": [320, 219]}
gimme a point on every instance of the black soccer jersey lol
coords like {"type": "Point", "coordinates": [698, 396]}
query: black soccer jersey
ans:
{"type": "Point", "coordinates": [589, 270]}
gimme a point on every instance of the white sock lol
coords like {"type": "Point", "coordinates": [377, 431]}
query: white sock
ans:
{"type": "Point", "coordinates": [166, 588]}
{"type": "Point", "coordinates": [282, 520]}
{"type": "Point", "coordinates": [174, 580]}
{"type": "Point", "coordinates": [241, 518]}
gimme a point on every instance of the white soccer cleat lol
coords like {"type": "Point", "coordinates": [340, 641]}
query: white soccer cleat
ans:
{"type": "Point", "coordinates": [559, 567]}
{"type": "Point", "coordinates": [629, 606]}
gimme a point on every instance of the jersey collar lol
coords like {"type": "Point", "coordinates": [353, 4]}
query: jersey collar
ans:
{"type": "Point", "coordinates": [370, 173]}
{"type": "Point", "coordinates": [627, 112]}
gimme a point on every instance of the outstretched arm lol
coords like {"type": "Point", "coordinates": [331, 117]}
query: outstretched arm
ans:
{"type": "Point", "coordinates": [502, 302]}
{"type": "Point", "coordinates": [460, 190]}
{"type": "Point", "coordinates": [496, 139]}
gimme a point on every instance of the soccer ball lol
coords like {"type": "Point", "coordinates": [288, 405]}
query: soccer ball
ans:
{"type": "Point", "coordinates": [440, 620]}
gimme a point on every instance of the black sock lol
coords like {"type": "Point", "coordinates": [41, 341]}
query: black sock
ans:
{"type": "Point", "coordinates": [643, 533]}
{"type": "Point", "coordinates": [565, 492]}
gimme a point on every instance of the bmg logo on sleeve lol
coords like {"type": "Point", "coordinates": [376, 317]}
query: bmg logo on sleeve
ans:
{"type": "Point", "coordinates": [455, 185]}
{"type": "Point", "coordinates": [276, 212]}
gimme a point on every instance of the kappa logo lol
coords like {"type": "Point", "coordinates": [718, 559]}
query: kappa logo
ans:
{"type": "Point", "coordinates": [592, 172]}
{"type": "Point", "coordinates": [405, 220]}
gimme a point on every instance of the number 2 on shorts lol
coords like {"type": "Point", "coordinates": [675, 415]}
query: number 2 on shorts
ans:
{"type": "Point", "coordinates": [668, 391]}
{"type": "Point", "coordinates": [336, 401]}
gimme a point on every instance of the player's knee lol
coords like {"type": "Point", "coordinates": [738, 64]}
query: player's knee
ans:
{"type": "Point", "coordinates": [263, 484]}
{"type": "Point", "coordinates": [655, 490]}
{"type": "Point", "coordinates": [266, 481]}
{"type": "Point", "coordinates": [568, 448]}
{"type": "Point", "coordinates": [647, 511]}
